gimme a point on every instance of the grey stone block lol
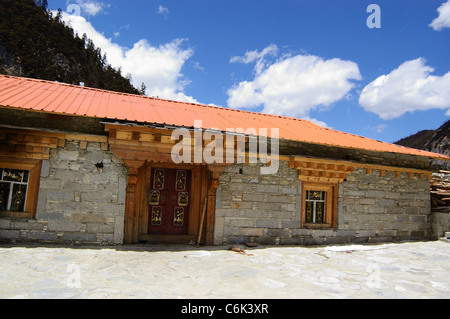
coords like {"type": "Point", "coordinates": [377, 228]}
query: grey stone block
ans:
{"type": "Point", "coordinates": [60, 196]}
{"type": "Point", "coordinates": [253, 197]}
{"type": "Point", "coordinates": [45, 169]}
{"type": "Point", "coordinates": [54, 216]}
{"type": "Point", "coordinates": [5, 223]}
{"type": "Point", "coordinates": [68, 155]}
{"type": "Point", "coordinates": [58, 226]}
{"type": "Point", "coordinates": [28, 226]}
{"type": "Point", "coordinates": [42, 236]}
{"type": "Point", "coordinates": [240, 222]}
{"type": "Point", "coordinates": [9, 234]}
{"type": "Point", "coordinates": [80, 237]}
{"type": "Point", "coordinates": [292, 224]}
{"type": "Point", "coordinates": [252, 232]}
{"type": "Point", "coordinates": [267, 223]}
{"type": "Point", "coordinates": [277, 232]}
{"type": "Point", "coordinates": [99, 228]}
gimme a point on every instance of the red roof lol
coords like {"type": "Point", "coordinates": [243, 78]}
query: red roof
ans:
{"type": "Point", "coordinates": [54, 97]}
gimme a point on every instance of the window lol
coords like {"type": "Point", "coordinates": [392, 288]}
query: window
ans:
{"type": "Point", "coordinates": [315, 207]}
{"type": "Point", "coordinates": [19, 186]}
{"type": "Point", "coordinates": [319, 205]}
{"type": "Point", "coordinates": [13, 189]}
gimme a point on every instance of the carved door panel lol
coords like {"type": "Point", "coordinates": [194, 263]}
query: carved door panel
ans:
{"type": "Point", "coordinates": [169, 200]}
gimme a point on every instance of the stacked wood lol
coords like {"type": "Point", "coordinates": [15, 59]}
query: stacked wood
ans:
{"type": "Point", "coordinates": [440, 191]}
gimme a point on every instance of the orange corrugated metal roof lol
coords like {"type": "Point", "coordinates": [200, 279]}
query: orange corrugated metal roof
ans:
{"type": "Point", "coordinates": [54, 97]}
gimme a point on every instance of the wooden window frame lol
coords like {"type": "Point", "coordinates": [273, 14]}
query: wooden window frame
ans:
{"type": "Point", "coordinates": [34, 167]}
{"type": "Point", "coordinates": [331, 199]}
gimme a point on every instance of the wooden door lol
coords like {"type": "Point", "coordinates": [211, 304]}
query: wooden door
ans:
{"type": "Point", "coordinates": [169, 201]}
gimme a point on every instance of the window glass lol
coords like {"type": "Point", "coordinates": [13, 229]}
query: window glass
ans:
{"type": "Point", "coordinates": [315, 207]}
{"type": "Point", "coordinates": [13, 189]}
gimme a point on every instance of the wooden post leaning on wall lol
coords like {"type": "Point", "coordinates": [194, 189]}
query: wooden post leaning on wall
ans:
{"type": "Point", "coordinates": [213, 184]}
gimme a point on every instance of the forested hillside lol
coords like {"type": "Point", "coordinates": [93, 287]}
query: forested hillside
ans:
{"type": "Point", "coordinates": [437, 141]}
{"type": "Point", "coordinates": [36, 44]}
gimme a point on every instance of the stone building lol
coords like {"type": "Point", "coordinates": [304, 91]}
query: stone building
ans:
{"type": "Point", "coordinates": [81, 165]}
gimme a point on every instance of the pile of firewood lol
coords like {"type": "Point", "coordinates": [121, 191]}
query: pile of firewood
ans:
{"type": "Point", "coordinates": [440, 191]}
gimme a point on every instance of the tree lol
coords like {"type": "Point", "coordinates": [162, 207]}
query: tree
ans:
{"type": "Point", "coordinates": [142, 89]}
{"type": "Point", "coordinates": [42, 3]}
{"type": "Point", "coordinates": [39, 45]}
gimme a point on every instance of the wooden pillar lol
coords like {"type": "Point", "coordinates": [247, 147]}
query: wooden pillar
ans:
{"type": "Point", "coordinates": [131, 231]}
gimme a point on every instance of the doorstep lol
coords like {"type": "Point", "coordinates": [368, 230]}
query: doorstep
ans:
{"type": "Point", "coordinates": [167, 239]}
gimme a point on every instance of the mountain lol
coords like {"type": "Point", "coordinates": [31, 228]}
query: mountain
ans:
{"type": "Point", "coordinates": [36, 44]}
{"type": "Point", "coordinates": [437, 141]}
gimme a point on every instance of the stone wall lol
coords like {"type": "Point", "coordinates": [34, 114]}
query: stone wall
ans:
{"type": "Point", "coordinates": [371, 208]}
{"type": "Point", "coordinates": [250, 205]}
{"type": "Point", "coordinates": [385, 208]}
{"type": "Point", "coordinates": [81, 199]}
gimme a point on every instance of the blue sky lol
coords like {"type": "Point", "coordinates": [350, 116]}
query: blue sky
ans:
{"type": "Point", "coordinates": [312, 59]}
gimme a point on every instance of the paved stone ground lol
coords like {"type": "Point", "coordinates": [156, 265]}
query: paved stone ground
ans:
{"type": "Point", "coordinates": [406, 270]}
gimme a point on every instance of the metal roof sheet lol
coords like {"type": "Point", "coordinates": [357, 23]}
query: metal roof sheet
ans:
{"type": "Point", "coordinates": [54, 97]}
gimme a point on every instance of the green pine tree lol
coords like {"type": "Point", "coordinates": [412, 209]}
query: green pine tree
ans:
{"type": "Point", "coordinates": [45, 48]}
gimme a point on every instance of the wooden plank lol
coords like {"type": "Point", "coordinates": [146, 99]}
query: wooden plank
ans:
{"type": "Point", "coordinates": [131, 228]}
{"type": "Point", "coordinates": [35, 132]}
{"type": "Point", "coordinates": [141, 145]}
{"type": "Point", "coordinates": [136, 136]}
{"type": "Point", "coordinates": [195, 208]}
{"type": "Point", "coordinates": [141, 129]}
{"type": "Point", "coordinates": [147, 137]}
{"type": "Point", "coordinates": [24, 155]}
{"type": "Point", "coordinates": [61, 142]}
{"type": "Point", "coordinates": [86, 137]}
{"type": "Point", "coordinates": [141, 198]}
{"type": "Point", "coordinates": [83, 145]}
{"type": "Point", "coordinates": [362, 165]}
{"type": "Point", "coordinates": [322, 180]}
{"type": "Point", "coordinates": [167, 139]}
{"type": "Point", "coordinates": [104, 146]}
{"type": "Point", "coordinates": [204, 193]}
{"type": "Point", "coordinates": [127, 136]}
{"type": "Point", "coordinates": [202, 219]}
{"type": "Point", "coordinates": [34, 140]}
{"type": "Point", "coordinates": [323, 167]}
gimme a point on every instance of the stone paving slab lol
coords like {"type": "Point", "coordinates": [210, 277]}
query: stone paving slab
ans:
{"type": "Point", "coordinates": [406, 270]}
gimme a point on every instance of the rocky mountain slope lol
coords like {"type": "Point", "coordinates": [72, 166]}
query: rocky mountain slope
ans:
{"type": "Point", "coordinates": [437, 141]}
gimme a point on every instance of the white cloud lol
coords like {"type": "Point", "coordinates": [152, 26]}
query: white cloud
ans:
{"type": "Point", "coordinates": [377, 128]}
{"type": "Point", "coordinates": [293, 86]}
{"type": "Point", "coordinates": [91, 7]}
{"type": "Point", "coordinates": [258, 57]}
{"type": "Point", "coordinates": [159, 67]}
{"type": "Point", "coordinates": [317, 122]}
{"type": "Point", "coordinates": [443, 20]}
{"type": "Point", "coordinates": [409, 88]}
{"type": "Point", "coordinates": [163, 11]}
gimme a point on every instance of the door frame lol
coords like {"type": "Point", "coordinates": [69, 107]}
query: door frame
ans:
{"type": "Point", "coordinates": [204, 183]}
